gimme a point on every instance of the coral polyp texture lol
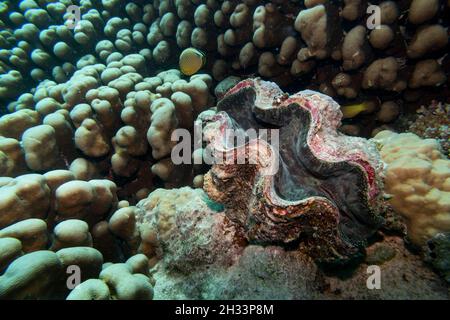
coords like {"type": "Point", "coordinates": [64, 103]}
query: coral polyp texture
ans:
{"type": "Point", "coordinates": [417, 180]}
{"type": "Point", "coordinates": [90, 106]}
{"type": "Point", "coordinates": [322, 186]}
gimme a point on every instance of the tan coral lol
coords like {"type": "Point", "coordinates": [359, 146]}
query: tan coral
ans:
{"type": "Point", "coordinates": [32, 234]}
{"type": "Point", "coordinates": [421, 11]}
{"type": "Point", "coordinates": [312, 24]}
{"type": "Point", "coordinates": [383, 74]}
{"type": "Point", "coordinates": [427, 73]}
{"type": "Point", "coordinates": [381, 37]}
{"type": "Point", "coordinates": [353, 9]}
{"type": "Point", "coordinates": [90, 139]}
{"type": "Point", "coordinates": [13, 125]}
{"type": "Point", "coordinates": [40, 147]}
{"type": "Point", "coordinates": [418, 181]}
{"type": "Point", "coordinates": [427, 39]}
{"type": "Point", "coordinates": [26, 196]}
{"type": "Point", "coordinates": [89, 201]}
{"type": "Point", "coordinates": [354, 48]}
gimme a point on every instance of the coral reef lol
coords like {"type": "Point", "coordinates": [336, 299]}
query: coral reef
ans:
{"type": "Point", "coordinates": [103, 131]}
{"type": "Point", "coordinates": [55, 196]}
{"type": "Point", "coordinates": [42, 274]}
{"type": "Point", "coordinates": [88, 109]}
{"type": "Point", "coordinates": [95, 86]}
{"type": "Point", "coordinates": [118, 281]}
{"type": "Point", "coordinates": [282, 40]}
{"type": "Point", "coordinates": [125, 281]}
{"type": "Point", "coordinates": [416, 179]}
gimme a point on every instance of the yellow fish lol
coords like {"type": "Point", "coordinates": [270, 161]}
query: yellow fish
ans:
{"type": "Point", "coordinates": [191, 60]}
{"type": "Point", "coordinates": [353, 110]}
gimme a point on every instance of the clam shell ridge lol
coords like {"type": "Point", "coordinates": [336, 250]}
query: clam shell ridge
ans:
{"type": "Point", "coordinates": [316, 189]}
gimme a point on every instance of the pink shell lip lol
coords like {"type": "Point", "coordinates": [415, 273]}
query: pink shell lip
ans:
{"type": "Point", "coordinates": [239, 86]}
{"type": "Point", "coordinates": [283, 205]}
{"type": "Point", "coordinates": [280, 100]}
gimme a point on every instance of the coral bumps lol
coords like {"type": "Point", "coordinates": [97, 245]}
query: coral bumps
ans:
{"type": "Point", "coordinates": [326, 190]}
{"type": "Point", "coordinates": [418, 179]}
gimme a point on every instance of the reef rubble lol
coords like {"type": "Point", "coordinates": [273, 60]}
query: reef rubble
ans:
{"type": "Point", "coordinates": [204, 255]}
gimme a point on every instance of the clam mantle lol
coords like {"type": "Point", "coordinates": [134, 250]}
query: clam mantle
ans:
{"type": "Point", "coordinates": [325, 195]}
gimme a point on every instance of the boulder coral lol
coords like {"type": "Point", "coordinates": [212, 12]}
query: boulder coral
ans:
{"type": "Point", "coordinates": [113, 125]}
{"type": "Point", "coordinates": [54, 197]}
{"type": "Point", "coordinates": [37, 36]}
{"type": "Point", "coordinates": [89, 110]}
{"type": "Point", "coordinates": [42, 273]}
{"type": "Point", "coordinates": [120, 281]}
{"type": "Point", "coordinates": [95, 85]}
{"type": "Point", "coordinates": [417, 182]}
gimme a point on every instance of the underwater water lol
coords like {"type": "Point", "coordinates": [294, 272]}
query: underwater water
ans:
{"type": "Point", "coordinates": [210, 149]}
